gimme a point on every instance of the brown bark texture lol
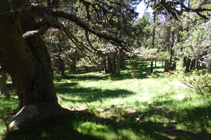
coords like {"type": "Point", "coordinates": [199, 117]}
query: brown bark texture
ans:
{"type": "Point", "coordinates": [26, 60]}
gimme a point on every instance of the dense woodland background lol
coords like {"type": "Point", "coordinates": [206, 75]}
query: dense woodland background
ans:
{"type": "Point", "coordinates": [85, 56]}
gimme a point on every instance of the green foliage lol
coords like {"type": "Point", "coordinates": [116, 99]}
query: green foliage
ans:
{"type": "Point", "coordinates": [143, 32]}
{"type": "Point", "coordinates": [164, 55]}
{"type": "Point", "coordinates": [134, 65]}
{"type": "Point", "coordinates": [198, 80]}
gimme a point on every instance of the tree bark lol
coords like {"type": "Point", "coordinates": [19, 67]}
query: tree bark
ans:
{"type": "Point", "coordinates": [26, 60]}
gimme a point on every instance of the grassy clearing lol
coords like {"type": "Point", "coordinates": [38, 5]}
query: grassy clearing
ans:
{"type": "Point", "coordinates": [153, 106]}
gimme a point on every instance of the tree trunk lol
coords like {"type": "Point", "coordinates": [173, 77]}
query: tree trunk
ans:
{"type": "Point", "coordinates": [62, 67]}
{"type": "Point", "coordinates": [26, 60]}
{"type": "Point", "coordinates": [110, 70]}
{"type": "Point", "coordinates": [193, 64]}
{"type": "Point", "coordinates": [105, 66]}
{"type": "Point", "coordinates": [3, 86]}
{"type": "Point", "coordinates": [119, 63]}
{"type": "Point", "coordinates": [184, 61]}
{"type": "Point", "coordinates": [173, 57]}
{"type": "Point", "coordinates": [167, 65]}
{"type": "Point", "coordinates": [114, 63]}
{"type": "Point", "coordinates": [187, 65]}
{"type": "Point", "coordinates": [209, 67]}
{"type": "Point", "coordinates": [153, 38]}
{"type": "Point", "coordinates": [155, 62]}
{"type": "Point", "coordinates": [122, 62]}
{"type": "Point", "coordinates": [151, 68]}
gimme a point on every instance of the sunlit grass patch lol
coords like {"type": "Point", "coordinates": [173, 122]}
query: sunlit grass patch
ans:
{"type": "Point", "coordinates": [148, 106]}
{"type": "Point", "coordinates": [94, 129]}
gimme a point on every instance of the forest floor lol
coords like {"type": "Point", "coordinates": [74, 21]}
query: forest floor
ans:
{"type": "Point", "coordinates": [101, 106]}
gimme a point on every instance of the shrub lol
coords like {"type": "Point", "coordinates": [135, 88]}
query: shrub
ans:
{"type": "Point", "coordinates": [198, 80]}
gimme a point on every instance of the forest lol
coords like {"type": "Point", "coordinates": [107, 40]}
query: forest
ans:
{"type": "Point", "coordinates": [96, 69]}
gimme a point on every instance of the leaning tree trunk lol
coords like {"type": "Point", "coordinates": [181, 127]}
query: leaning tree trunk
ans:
{"type": "Point", "coordinates": [26, 60]}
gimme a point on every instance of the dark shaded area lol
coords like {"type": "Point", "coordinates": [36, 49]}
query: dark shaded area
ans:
{"type": "Point", "coordinates": [73, 90]}
{"type": "Point", "coordinates": [142, 72]}
{"type": "Point", "coordinates": [62, 126]}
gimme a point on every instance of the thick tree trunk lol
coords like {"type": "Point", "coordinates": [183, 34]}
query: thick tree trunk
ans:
{"type": "Point", "coordinates": [26, 60]}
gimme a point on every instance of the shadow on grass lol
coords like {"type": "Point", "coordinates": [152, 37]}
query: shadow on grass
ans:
{"type": "Point", "coordinates": [89, 94]}
{"type": "Point", "coordinates": [84, 125]}
{"type": "Point", "coordinates": [142, 72]}
{"type": "Point", "coordinates": [87, 77]}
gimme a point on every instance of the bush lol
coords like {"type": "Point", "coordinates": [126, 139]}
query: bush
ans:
{"type": "Point", "coordinates": [198, 80]}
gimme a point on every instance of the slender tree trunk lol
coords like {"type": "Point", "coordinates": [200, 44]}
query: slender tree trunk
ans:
{"type": "Point", "coordinates": [187, 65]}
{"type": "Point", "coordinates": [105, 66]}
{"type": "Point", "coordinates": [151, 68]}
{"type": "Point", "coordinates": [155, 62]}
{"type": "Point", "coordinates": [122, 64]}
{"type": "Point", "coordinates": [209, 67]}
{"type": "Point", "coordinates": [153, 39]}
{"type": "Point", "coordinates": [110, 70]}
{"type": "Point", "coordinates": [119, 63]}
{"type": "Point", "coordinates": [193, 64]}
{"type": "Point", "coordinates": [173, 57]}
{"type": "Point", "coordinates": [3, 86]}
{"type": "Point", "coordinates": [184, 61]}
{"type": "Point", "coordinates": [114, 62]}
{"type": "Point", "coordinates": [62, 67]}
{"type": "Point", "coordinates": [167, 61]}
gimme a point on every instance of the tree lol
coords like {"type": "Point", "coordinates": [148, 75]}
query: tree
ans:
{"type": "Point", "coordinates": [24, 55]}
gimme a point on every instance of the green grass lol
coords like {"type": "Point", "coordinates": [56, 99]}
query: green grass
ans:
{"type": "Point", "coordinates": [156, 106]}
